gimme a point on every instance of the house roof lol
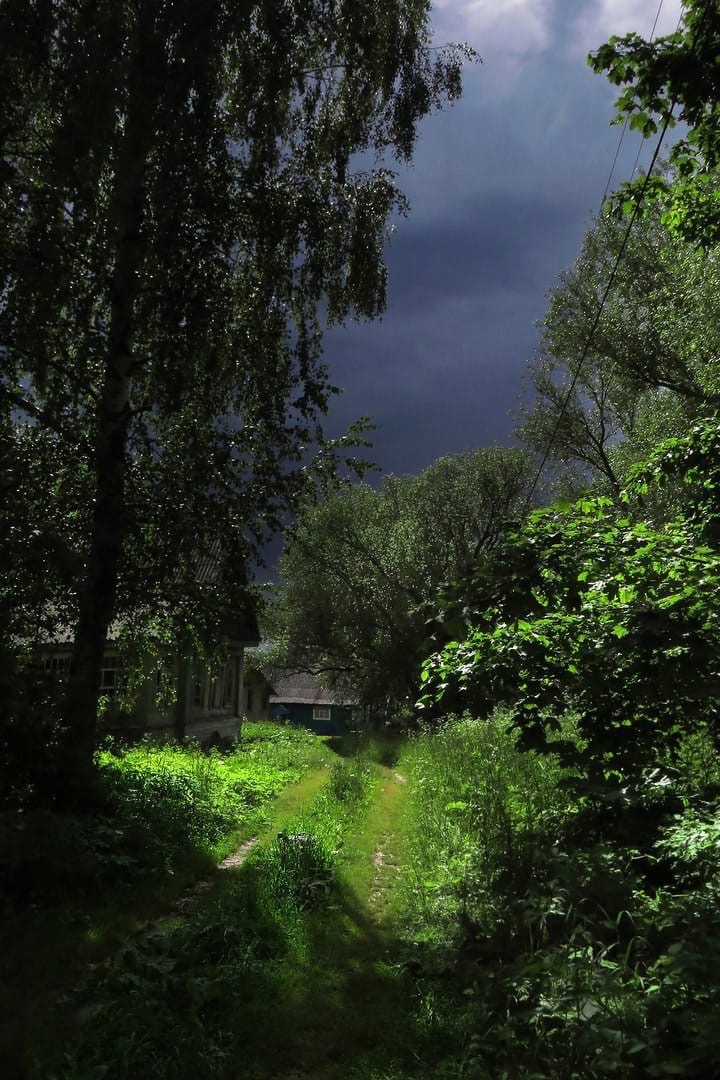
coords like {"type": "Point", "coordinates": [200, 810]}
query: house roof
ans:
{"type": "Point", "coordinates": [302, 688]}
{"type": "Point", "coordinates": [240, 623]}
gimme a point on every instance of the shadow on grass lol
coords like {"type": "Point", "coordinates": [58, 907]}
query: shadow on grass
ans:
{"type": "Point", "coordinates": [333, 999]}
{"type": "Point", "coordinates": [383, 749]}
{"type": "Point", "coordinates": [255, 988]}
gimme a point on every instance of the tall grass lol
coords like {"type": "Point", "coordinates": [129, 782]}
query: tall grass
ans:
{"type": "Point", "coordinates": [568, 941]}
{"type": "Point", "coordinates": [199, 996]}
{"type": "Point", "coordinates": [164, 805]}
{"type": "Point", "coordinates": [182, 796]}
{"type": "Point", "coordinates": [477, 804]}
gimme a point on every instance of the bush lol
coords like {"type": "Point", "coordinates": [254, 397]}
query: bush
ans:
{"type": "Point", "coordinates": [162, 804]}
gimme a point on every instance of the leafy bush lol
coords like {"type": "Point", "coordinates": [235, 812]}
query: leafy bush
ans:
{"type": "Point", "coordinates": [597, 606]}
{"type": "Point", "coordinates": [575, 949]}
{"type": "Point", "coordinates": [163, 804]}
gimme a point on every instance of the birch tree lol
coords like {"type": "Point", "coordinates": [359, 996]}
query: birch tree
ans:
{"type": "Point", "coordinates": [189, 192]}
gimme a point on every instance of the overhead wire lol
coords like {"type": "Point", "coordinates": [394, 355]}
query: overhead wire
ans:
{"type": "Point", "coordinates": [611, 281]}
{"type": "Point", "coordinates": [642, 141]}
{"type": "Point", "coordinates": [625, 126]}
{"type": "Point", "coordinates": [601, 306]}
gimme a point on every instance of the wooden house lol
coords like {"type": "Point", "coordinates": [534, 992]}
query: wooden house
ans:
{"type": "Point", "coordinates": [202, 704]}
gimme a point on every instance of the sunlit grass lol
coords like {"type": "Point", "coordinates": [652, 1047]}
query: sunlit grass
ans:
{"type": "Point", "coordinates": [178, 811]}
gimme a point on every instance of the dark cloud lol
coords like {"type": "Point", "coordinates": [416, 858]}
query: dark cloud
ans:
{"type": "Point", "coordinates": [503, 187]}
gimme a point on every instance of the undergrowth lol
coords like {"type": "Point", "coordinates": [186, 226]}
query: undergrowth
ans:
{"type": "Point", "coordinates": [189, 997]}
{"type": "Point", "coordinates": [575, 940]}
{"type": "Point", "coordinates": [164, 804]}
{"type": "Point", "coordinates": [74, 886]}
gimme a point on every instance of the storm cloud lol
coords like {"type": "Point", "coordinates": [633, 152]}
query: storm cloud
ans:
{"type": "Point", "coordinates": [503, 186]}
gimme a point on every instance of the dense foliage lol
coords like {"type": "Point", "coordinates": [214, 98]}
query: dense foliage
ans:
{"type": "Point", "coordinates": [190, 192]}
{"type": "Point", "coordinates": [675, 77]}
{"type": "Point", "coordinates": [359, 567]}
{"type": "Point", "coordinates": [561, 950]}
{"type": "Point", "coordinates": [600, 608]}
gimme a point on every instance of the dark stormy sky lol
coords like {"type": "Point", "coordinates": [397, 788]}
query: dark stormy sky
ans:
{"type": "Point", "coordinates": [502, 188]}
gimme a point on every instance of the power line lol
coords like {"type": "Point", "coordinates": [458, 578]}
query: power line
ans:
{"type": "Point", "coordinates": [610, 283]}
{"type": "Point", "coordinates": [627, 122]}
{"type": "Point", "coordinates": [642, 141]}
{"type": "Point", "coordinates": [601, 305]}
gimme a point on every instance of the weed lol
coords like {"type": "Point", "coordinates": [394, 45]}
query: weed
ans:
{"type": "Point", "coordinates": [297, 868]}
{"type": "Point", "coordinates": [351, 782]}
{"type": "Point", "coordinates": [585, 940]}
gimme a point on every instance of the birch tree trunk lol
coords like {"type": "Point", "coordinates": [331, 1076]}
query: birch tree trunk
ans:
{"type": "Point", "coordinates": [97, 591]}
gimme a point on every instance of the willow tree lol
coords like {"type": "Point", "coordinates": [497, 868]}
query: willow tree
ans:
{"type": "Point", "coordinates": [190, 191]}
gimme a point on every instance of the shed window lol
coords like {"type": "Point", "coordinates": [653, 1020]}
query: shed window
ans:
{"type": "Point", "coordinates": [321, 712]}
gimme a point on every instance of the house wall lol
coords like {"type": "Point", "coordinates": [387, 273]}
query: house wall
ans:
{"type": "Point", "coordinates": [206, 703]}
{"type": "Point", "coordinates": [301, 715]}
{"type": "Point", "coordinates": [210, 703]}
{"type": "Point", "coordinates": [256, 697]}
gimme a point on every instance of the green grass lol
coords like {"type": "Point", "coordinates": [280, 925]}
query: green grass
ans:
{"type": "Point", "coordinates": [82, 886]}
{"type": "Point", "coordinates": [470, 923]}
{"type": "Point", "coordinates": [476, 804]}
{"type": "Point", "coordinates": [282, 933]}
{"type": "Point", "coordinates": [565, 941]}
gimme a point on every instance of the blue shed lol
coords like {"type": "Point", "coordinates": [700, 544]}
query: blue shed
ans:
{"type": "Point", "coordinates": [299, 699]}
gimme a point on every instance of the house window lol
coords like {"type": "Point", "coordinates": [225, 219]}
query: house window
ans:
{"type": "Point", "coordinates": [57, 665]}
{"type": "Point", "coordinates": [110, 675]}
{"type": "Point", "coordinates": [321, 712]}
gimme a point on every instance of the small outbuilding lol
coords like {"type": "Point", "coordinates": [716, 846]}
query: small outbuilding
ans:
{"type": "Point", "coordinates": [299, 699]}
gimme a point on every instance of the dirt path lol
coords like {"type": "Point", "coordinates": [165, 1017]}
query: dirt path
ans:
{"type": "Point", "coordinates": [387, 821]}
{"type": "Point", "coordinates": [347, 1007]}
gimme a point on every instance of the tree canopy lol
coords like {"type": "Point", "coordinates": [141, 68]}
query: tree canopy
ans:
{"type": "Point", "coordinates": [675, 78]}
{"type": "Point", "coordinates": [652, 364]}
{"type": "Point", "coordinates": [360, 567]}
{"type": "Point", "coordinates": [596, 621]}
{"type": "Point", "coordinates": [190, 192]}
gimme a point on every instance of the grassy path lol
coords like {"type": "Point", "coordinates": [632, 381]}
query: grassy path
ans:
{"type": "Point", "coordinates": [287, 805]}
{"type": "Point", "coordinates": [46, 953]}
{"type": "Point", "coordinates": [250, 983]}
{"type": "Point", "coordinates": [344, 1008]}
